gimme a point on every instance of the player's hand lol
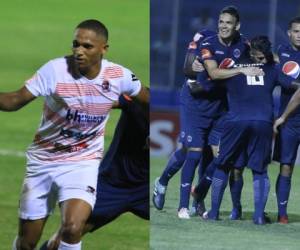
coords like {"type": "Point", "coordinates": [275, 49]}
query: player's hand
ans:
{"type": "Point", "coordinates": [197, 66]}
{"type": "Point", "coordinates": [277, 123]}
{"type": "Point", "coordinates": [252, 71]}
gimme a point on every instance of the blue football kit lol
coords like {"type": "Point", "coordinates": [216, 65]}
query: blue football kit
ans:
{"type": "Point", "coordinates": [247, 134]}
{"type": "Point", "coordinates": [123, 181]}
{"type": "Point", "coordinates": [288, 139]}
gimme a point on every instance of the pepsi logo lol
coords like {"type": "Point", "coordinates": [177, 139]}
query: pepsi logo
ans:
{"type": "Point", "coordinates": [291, 69]}
{"type": "Point", "coordinates": [226, 63]}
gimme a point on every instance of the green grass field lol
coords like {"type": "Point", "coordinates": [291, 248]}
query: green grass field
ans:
{"type": "Point", "coordinates": [32, 32]}
{"type": "Point", "coordinates": [169, 232]}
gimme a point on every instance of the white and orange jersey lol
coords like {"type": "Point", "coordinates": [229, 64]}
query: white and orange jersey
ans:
{"type": "Point", "coordinates": [76, 110]}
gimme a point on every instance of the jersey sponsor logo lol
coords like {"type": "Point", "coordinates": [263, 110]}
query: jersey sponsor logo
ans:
{"type": "Point", "coordinates": [84, 118]}
{"type": "Point", "coordinates": [205, 53]}
{"type": "Point", "coordinates": [291, 68]}
{"type": "Point", "coordinates": [69, 133]}
{"type": "Point", "coordinates": [226, 63]}
{"type": "Point", "coordinates": [285, 55]}
{"type": "Point", "coordinates": [192, 45]}
{"type": "Point", "coordinates": [219, 52]}
{"type": "Point", "coordinates": [236, 53]}
{"type": "Point", "coordinates": [58, 147]}
{"type": "Point", "coordinates": [105, 86]}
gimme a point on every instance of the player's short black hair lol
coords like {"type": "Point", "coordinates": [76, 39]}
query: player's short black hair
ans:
{"type": "Point", "coordinates": [263, 44]}
{"type": "Point", "coordinates": [94, 25]}
{"type": "Point", "coordinates": [294, 20]}
{"type": "Point", "coordinates": [232, 10]}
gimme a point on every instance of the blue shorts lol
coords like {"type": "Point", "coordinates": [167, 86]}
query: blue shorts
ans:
{"type": "Point", "coordinates": [216, 131]}
{"type": "Point", "coordinates": [286, 143]}
{"type": "Point", "coordinates": [246, 143]}
{"type": "Point", "coordinates": [197, 130]}
{"type": "Point", "coordinates": [113, 201]}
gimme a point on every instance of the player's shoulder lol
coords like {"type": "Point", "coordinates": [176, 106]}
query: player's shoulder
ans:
{"type": "Point", "coordinates": [114, 70]}
{"type": "Point", "coordinates": [210, 41]}
{"type": "Point", "coordinates": [244, 40]}
{"type": "Point", "coordinates": [284, 50]}
{"type": "Point", "coordinates": [203, 34]}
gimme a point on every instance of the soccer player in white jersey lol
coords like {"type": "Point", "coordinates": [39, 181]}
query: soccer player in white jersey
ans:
{"type": "Point", "coordinates": [63, 160]}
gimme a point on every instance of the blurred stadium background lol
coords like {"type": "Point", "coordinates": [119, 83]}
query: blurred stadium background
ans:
{"type": "Point", "coordinates": [173, 24]}
{"type": "Point", "coordinates": [33, 32]}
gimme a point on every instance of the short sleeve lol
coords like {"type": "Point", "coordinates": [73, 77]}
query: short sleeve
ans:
{"type": "Point", "coordinates": [130, 84]}
{"type": "Point", "coordinates": [43, 81]}
{"type": "Point", "coordinates": [207, 51]}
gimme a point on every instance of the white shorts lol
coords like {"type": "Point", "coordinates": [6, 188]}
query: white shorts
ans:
{"type": "Point", "coordinates": [46, 184]}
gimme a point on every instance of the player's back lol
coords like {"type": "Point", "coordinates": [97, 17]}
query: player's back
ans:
{"type": "Point", "coordinates": [250, 98]}
{"type": "Point", "coordinates": [126, 163]}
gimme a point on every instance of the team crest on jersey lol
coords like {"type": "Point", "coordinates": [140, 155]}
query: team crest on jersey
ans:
{"type": "Point", "coordinates": [105, 86]}
{"type": "Point", "coordinates": [291, 68]}
{"type": "Point", "coordinates": [205, 53]}
{"type": "Point", "coordinates": [226, 63]}
{"type": "Point", "coordinates": [236, 53]}
{"type": "Point", "coordinates": [189, 138]}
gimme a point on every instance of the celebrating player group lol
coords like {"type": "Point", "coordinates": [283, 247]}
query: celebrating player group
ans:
{"type": "Point", "coordinates": [227, 120]}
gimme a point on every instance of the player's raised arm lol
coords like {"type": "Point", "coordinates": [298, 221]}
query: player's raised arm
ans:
{"type": "Point", "coordinates": [13, 101]}
{"type": "Point", "coordinates": [291, 107]}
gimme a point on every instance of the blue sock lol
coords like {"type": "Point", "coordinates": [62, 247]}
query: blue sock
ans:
{"type": "Point", "coordinates": [187, 176]}
{"type": "Point", "coordinates": [236, 187]}
{"type": "Point", "coordinates": [261, 188]}
{"type": "Point", "coordinates": [283, 187]}
{"type": "Point", "coordinates": [205, 182]}
{"type": "Point", "coordinates": [218, 186]}
{"type": "Point", "coordinates": [174, 164]}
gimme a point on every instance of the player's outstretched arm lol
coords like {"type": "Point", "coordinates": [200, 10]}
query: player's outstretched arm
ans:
{"type": "Point", "coordinates": [291, 107]}
{"type": "Point", "coordinates": [13, 101]}
{"type": "Point", "coordinates": [216, 73]}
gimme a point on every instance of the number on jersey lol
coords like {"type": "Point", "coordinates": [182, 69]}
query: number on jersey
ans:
{"type": "Point", "coordinates": [255, 80]}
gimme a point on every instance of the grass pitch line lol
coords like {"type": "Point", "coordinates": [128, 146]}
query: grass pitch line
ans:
{"type": "Point", "coordinates": [7, 152]}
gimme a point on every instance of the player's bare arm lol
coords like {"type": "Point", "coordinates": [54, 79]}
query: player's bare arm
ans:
{"type": "Point", "coordinates": [218, 74]}
{"type": "Point", "coordinates": [291, 107]}
{"type": "Point", "coordinates": [13, 101]}
{"type": "Point", "coordinates": [143, 96]}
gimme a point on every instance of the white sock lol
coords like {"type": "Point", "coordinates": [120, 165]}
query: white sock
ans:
{"type": "Point", "coordinates": [14, 246]}
{"type": "Point", "coordinates": [67, 246]}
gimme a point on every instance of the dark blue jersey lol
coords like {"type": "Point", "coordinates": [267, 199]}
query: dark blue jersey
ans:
{"type": "Point", "coordinates": [225, 56]}
{"type": "Point", "coordinates": [126, 164]}
{"type": "Point", "coordinates": [289, 65]}
{"type": "Point", "coordinates": [250, 98]}
{"type": "Point", "coordinates": [212, 102]}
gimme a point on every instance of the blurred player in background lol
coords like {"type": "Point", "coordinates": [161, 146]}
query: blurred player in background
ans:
{"type": "Point", "coordinates": [123, 181]}
{"type": "Point", "coordinates": [63, 160]}
{"type": "Point", "coordinates": [248, 128]}
{"type": "Point", "coordinates": [288, 139]}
